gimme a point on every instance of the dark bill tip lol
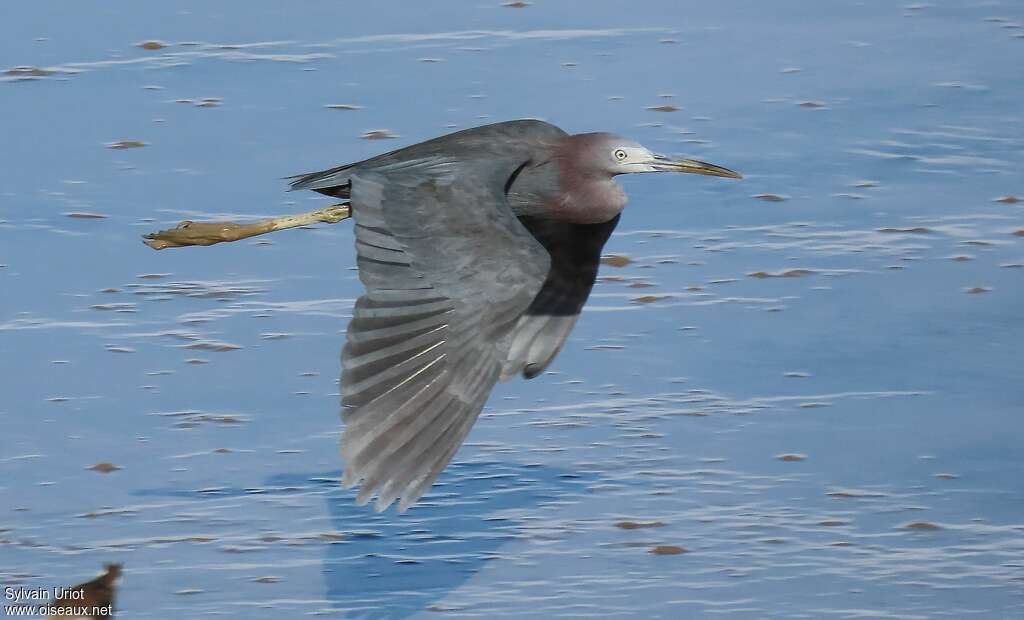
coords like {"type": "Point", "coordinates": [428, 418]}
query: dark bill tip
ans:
{"type": "Point", "coordinates": [692, 166]}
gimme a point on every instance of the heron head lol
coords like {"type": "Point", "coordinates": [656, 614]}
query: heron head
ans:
{"type": "Point", "coordinates": [618, 155]}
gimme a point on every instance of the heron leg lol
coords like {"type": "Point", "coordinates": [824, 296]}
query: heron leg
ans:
{"type": "Point", "coordinates": [208, 233]}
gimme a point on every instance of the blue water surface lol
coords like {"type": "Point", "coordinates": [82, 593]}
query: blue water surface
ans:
{"type": "Point", "coordinates": [806, 384]}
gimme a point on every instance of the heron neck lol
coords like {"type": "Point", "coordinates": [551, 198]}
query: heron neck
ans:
{"type": "Point", "coordinates": [588, 198]}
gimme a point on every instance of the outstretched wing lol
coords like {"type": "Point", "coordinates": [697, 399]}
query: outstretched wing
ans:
{"type": "Point", "coordinates": [448, 269]}
{"type": "Point", "coordinates": [575, 251]}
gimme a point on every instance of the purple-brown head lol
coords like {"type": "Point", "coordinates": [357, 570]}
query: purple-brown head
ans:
{"type": "Point", "coordinates": [587, 163]}
{"type": "Point", "coordinates": [605, 153]}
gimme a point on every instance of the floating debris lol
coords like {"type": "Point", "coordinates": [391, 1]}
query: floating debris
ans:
{"type": "Point", "coordinates": [1009, 200]}
{"type": "Point", "coordinates": [616, 260]}
{"type": "Point", "coordinates": [666, 107]}
{"type": "Point", "coordinates": [29, 72]}
{"type": "Point", "coordinates": [104, 467]}
{"type": "Point", "coordinates": [922, 525]}
{"type": "Point", "coordinates": [668, 550]}
{"type": "Point", "coordinates": [85, 215]}
{"type": "Point", "coordinates": [379, 134]}
{"type": "Point", "coordinates": [961, 258]}
{"type": "Point", "coordinates": [771, 197]}
{"type": "Point", "coordinates": [812, 104]}
{"type": "Point", "coordinates": [855, 493]}
{"type": "Point", "coordinates": [916, 230]}
{"type": "Point", "coordinates": [787, 273]}
{"type": "Point", "coordinates": [95, 595]}
{"type": "Point", "coordinates": [646, 299]}
{"type": "Point", "coordinates": [791, 457]}
{"type": "Point", "coordinates": [516, 4]}
{"type": "Point", "coordinates": [975, 290]}
{"type": "Point", "coordinates": [114, 306]}
{"type": "Point", "coordinates": [205, 102]}
{"type": "Point", "coordinates": [945, 476]}
{"type": "Point", "coordinates": [192, 418]}
{"type": "Point", "coordinates": [833, 522]}
{"type": "Point", "coordinates": [126, 144]}
{"type": "Point", "coordinates": [637, 525]}
{"type": "Point", "coordinates": [152, 44]}
{"type": "Point", "coordinates": [211, 345]}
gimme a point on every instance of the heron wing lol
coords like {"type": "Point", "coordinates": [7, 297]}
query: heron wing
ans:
{"type": "Point", "coordinates": [448, 269]}
{"type": "Point", "coordinates": [541, 331]}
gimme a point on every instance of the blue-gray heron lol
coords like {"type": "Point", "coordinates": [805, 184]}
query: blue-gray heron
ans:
{"type": "Point", "coordinates": [477, 250]}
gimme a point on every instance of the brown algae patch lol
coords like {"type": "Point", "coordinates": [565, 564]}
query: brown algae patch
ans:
{"type": "Point", "coordinates": [104, 467]}
{"type": "Point", "coordinates": [791, 457]}
{"type": "Point", "coordinates": [668, 550]}
{"type": "Point", "coordinates": [152, 45]}
{"type": "Point", "coordinates": [616, 260]}
{"type": "Point", "coordinates": [646, 299]}
{"type": "Point", "coordinates": [1007, 200]}
{"type": "Point", "coordinates": [84, 215]}
{"type": "Point", "coordinates": [378, 134]}
{"type": "Point", "coordinates": [922, 525]}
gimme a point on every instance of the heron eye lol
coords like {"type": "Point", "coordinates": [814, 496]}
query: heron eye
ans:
{"type": "Point", "coordinates": [620, 154]}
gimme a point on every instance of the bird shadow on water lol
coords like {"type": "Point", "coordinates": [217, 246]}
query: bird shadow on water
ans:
{"type": "Point", "coordinates": [386, 565]}
{"type": "Point", "coordinates": [392, 566]}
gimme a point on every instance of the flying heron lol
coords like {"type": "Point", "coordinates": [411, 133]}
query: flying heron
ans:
{"type": "Point", "coordinates": [477, 250]}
